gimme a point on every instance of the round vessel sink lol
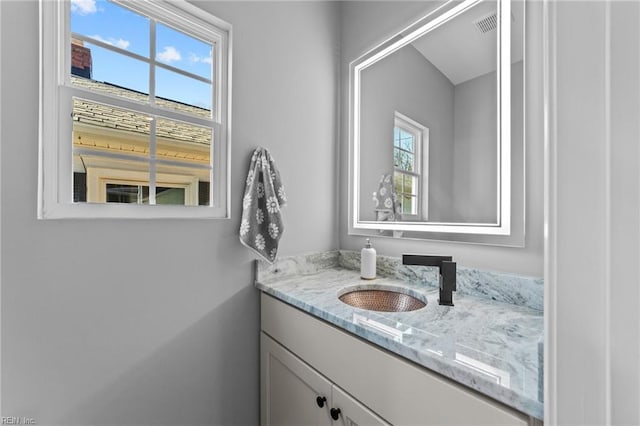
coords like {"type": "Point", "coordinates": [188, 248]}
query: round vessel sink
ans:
{"type": "Point", "coordinates": [382, 300]}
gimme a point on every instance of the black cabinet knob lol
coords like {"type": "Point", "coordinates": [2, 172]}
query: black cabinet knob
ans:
{"type": "Point", "coordinates": [320, 401]}
{"type": "Point", "coordinates": [335, 413]}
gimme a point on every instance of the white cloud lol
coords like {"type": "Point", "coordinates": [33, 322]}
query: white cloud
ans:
{"type": "Point", "coordinates": [119, 42]}
{"type": "Point", "coordinates": [83, 7]}
{"type": "Point", "coordinates": [197, 59]}
{"type": "Point", "coordinates": [169, 54]}
{"type": "Point", "coordinates": [122, 44]}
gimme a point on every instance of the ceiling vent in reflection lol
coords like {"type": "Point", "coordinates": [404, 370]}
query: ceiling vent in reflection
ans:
{"type": "Point", "coordinates": [488, 23]}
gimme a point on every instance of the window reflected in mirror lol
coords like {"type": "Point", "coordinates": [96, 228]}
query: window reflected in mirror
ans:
{"type": "Point", "coordinates": [410, 149]}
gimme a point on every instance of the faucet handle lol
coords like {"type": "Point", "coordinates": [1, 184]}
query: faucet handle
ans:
{"type": "Point", "coordinates": [448, 272]}
{"type": "Point", "coordinates": [447, 282]}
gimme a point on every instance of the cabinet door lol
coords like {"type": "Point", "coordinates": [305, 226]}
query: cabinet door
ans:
{"type": "Point", "coordinates": [352, 413]}
{"type": "Point", "coordinates": [289, 389]}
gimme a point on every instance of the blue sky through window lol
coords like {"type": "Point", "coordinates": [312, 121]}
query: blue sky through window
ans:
{"type": "Point", "coordinates": [120, 27]}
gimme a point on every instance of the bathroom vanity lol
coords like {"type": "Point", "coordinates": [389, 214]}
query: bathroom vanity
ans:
{"type": "Point", "coordinates": [325, 362]}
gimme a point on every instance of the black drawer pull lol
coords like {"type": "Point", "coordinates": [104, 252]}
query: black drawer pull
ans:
{"type": "Point", "coordinates": [335, 413]}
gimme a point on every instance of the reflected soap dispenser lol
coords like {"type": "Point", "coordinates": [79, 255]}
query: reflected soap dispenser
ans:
{"type": "Point", "coordinates": [368, 262]}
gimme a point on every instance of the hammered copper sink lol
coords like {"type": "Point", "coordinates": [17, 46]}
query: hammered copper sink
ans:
{"type": "Point", "coordinates": [382, 300]}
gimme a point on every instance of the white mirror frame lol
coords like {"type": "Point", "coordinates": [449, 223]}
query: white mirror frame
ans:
{"type": "Point", "coordinates": [442, 14]}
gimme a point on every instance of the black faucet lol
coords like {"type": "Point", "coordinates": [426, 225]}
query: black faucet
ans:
{"type": "Point", "coordinates": [446, 269]}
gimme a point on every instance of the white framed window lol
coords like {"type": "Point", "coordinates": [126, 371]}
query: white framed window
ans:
{"type": "Point", "coordinates": [134, 110]}
{"type": "Point", "coordinates": [410, 165]}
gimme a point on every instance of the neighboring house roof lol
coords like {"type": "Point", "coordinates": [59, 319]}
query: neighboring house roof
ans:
{"type": "Point", "coordinates": [104, 116]}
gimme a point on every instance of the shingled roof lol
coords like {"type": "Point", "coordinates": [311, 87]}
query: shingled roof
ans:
{"type": "Point", "coordinates": [104, 116]}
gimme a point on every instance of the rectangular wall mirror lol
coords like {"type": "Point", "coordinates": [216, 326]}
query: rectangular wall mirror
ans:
{"type": "Point", "coordinates": [437, 128]}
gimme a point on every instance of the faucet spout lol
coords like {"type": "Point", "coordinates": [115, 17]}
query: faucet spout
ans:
{"type": "Point", "coordinates": [446, 272]}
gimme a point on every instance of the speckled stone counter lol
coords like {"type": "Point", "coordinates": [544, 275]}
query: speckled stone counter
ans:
{"type": "Point", "coordinates": [483, 342]}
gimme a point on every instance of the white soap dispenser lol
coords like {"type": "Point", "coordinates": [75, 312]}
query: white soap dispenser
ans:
{"type": "Point", "coordinates": [368, 262]}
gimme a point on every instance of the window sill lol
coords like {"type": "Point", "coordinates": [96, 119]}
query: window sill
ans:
{"type": "Point", "coordinates": [130, 211]}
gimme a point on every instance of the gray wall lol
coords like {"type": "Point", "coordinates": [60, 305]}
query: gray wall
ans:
{"type": "Point", "coordinates": [475, 154]}
{"type": "Point", "coordinates": [475, 134]}
{"type": "Point", "coordinates": [406, 82]}
{"type": "Point", "coordinates": [156, 321]}
{"type": "Point", "coordinates": [367, 23]}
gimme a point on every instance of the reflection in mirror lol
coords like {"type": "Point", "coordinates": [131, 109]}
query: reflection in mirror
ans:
{"type": "Point", "coordinates": [432, 116]}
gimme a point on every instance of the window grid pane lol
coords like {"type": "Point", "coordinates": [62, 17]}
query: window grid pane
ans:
{"type": "Point", "coordinates": [175, 48]}
{"type": "Point", "coordinates": [404, 160]}
{"type": "Point", "coordinates": [105, 72]}
{"type": "Point", "coordinates": [178, 92]}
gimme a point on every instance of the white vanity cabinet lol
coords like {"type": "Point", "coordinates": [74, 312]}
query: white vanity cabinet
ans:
{"type": "Point", "coordinates": [303, 357]}
{"type": "Point", "coordinates": [294, 394]}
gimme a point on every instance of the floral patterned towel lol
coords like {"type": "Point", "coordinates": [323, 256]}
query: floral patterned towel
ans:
{"type": "Point", "coordinates": [387, 205]}
{"type": "Point", "coordinates": [261, 226]}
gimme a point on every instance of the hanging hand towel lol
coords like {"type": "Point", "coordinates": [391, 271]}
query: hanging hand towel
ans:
{"type": "Point", "coordinates": [387, 205]}
{"type": "Point", "coordinates": [261, 226]}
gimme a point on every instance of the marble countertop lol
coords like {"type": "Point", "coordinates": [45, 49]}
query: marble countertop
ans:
{"type": "Point", "coordinates": [488, 345]}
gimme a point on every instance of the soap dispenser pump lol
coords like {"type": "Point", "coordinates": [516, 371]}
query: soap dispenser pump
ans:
{"type": "Point", "coordinates": [368, 262]}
